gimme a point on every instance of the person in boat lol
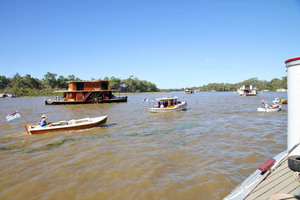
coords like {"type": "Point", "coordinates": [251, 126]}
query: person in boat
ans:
{"type": "Point", "coordinates": [158, 105]}
{"type": "Point", "coordinates": [43, 121]}
{"type": "Point", "coordinates": [165, 104]}
{"type": "Point", "coordinates": [162, 106]}
{"type": "Point", "coordinates": [266, 105]}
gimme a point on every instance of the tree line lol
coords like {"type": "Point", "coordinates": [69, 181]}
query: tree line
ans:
{"type": "Point", "coordinates": [30, 86]}
{"type": "Point", "coordinates": [131, 84]}
{"type": "Point", "coordinates": [272, 85]}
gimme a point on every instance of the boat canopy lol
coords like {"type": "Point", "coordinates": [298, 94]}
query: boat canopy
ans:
{"type": "Point", "coordinates": [166, 99]}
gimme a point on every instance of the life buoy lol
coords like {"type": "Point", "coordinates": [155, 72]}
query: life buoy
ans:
{"type": "Point", "coordinates": [294, 163]}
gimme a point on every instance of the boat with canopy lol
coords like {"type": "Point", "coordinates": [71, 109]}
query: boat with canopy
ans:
{"type": "Point", "coordinates": [168, 104]}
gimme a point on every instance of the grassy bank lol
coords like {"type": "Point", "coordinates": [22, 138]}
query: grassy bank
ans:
{"type": "Point", "coordinates": [32, 92]}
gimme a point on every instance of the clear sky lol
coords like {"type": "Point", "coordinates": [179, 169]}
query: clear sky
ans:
{"type": "Point", "coordinates": [171, 43]}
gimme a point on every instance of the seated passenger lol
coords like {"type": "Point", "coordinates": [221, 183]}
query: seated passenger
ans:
{"type": "Point", "coordinates": [43, 121]}
{"type": "Point", "coordinates": [266, 105]}
{"type": "Point", "coordinates": [158, 105]}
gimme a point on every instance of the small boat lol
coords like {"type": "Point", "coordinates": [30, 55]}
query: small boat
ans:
{"type": "Point", "coordinates": [8, 95]}
{"type": "Point", "coordinates": [280, 101]}
{"type": "Point", "coordinates": [275, 108]}
{"type": "Point", "coordinates": [247, 90]}
{"type": "Point", "coordinates": [66, 125]}
{"type": "Point", "coordinates": [188, 91]}
{"type": "Point", "coordinates": [168, 104]}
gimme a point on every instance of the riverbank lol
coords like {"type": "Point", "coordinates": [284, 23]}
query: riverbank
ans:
{"type": "Point", "coordinates": [32, 92]}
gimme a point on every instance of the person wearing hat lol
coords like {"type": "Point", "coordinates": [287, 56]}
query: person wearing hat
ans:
{"type": "Point", "coordinates": [43, 121]}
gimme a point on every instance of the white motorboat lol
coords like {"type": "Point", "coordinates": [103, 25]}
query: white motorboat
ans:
{"type": "Point", "coordinates": [277, 108]}
{"type": "Point", "coordinates": [168, 104]}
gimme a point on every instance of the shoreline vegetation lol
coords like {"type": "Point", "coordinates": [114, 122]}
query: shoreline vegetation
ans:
{"type": "Point", "coordinates": [30, 86]}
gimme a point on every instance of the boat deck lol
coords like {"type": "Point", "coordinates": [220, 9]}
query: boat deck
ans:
{"type": "Point", "coordinates": [280, 181]}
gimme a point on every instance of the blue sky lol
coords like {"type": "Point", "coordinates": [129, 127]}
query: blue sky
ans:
{"type": "Point", "coordinates": [172, 43]}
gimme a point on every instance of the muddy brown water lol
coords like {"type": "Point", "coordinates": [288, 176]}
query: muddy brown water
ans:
{"type": "Point", "coordinates": [201, 153]}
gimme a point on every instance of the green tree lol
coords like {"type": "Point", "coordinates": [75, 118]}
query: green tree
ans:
{"type": "Point", "coordinates": [32, 83]}
{"type": "Point", "coordinates": [50, 80]}
{"type": "Point", "coordinates": [61, 82]}
{"type": "Point", "coordinates": [114, 83]}
{"type": "Point", "coordinates": [284, 82]}
{"type": "Point", "coordinates": [17, 81]}
{"type": "Point", "coordinates": [4, 82]}
{"type": "Point", "coordinates": [72, 77]}
{"type": "Point", "coordinates": [275, 84]}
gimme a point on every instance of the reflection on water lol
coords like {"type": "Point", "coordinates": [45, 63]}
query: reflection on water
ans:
{"type": "Point", "coordinates": [201, 153]}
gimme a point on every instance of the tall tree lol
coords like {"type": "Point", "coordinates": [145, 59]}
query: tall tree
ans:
{"type": "Point", "coordinates": [50, 80]}
{"type": "Point", "coordinates": [61, 82]}
{"type": "Point", "coordinates": [32, 83]}
{"type": "Point", "coordinates": [17, 81]}
{"type": "Point", "coordinates": [4, 82]}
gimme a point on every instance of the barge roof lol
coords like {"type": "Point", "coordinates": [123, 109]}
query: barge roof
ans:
{"type": "Point", "coordinates": [94, 81]}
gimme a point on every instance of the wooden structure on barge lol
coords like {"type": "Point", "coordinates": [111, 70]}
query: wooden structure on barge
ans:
{"type": "Point", "coordinates": [80, 92]}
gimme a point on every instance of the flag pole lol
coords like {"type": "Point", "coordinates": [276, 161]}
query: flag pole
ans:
{"type": "Point", "coordinates": [24, 118]}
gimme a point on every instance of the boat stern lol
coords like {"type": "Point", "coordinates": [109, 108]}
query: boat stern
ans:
{"type": "Point", "coordinates": [27, 128]}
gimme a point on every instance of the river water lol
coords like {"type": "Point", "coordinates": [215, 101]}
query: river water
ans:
{"type": "Point", "coordinates": [201, 153]}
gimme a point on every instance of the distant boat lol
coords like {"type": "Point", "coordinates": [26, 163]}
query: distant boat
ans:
{"type": "Point", "coordinates": [280, 101]}
{"type": "Point", "coordinates": [66, 125]}
{"type": "Point", "coordinates": [8, 95]}
{"type": "Point", "coordinates": [168, 104]}
{"type": "Point", "coordinates": [188, 91]}
{"type": "Point", "coordinates": [247, 90]}
{"type": "Point", "coordinates": [281, 90]}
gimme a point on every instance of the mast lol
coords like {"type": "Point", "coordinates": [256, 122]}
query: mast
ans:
{"type": "Point", "coordinates": [293, 70]}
